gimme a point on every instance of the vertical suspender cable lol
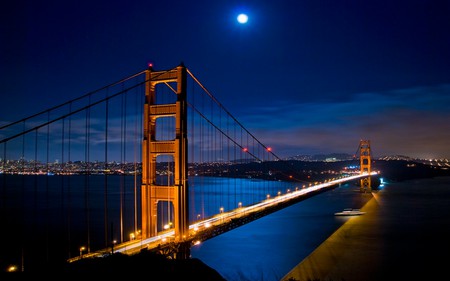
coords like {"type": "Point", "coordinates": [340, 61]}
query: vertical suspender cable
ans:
{"type": "Point", "coordinates": [69, 175]}
{"type": "Point", "coordinates": [34, 214]}
{"type": "Point", "coordinates": [22, 217]}
{"type": "Point", "coordinates": [122, 151]}
{"type": "Point", "coordinates": [105, 172]}
{"type": "Point", "coordinates": [190, 132]}
{"type": "Point", "coordinates": [47, 189]}
{"type": "Point", "coordinates": [219, 158]}
{"type": "Point", "coordinates": [62, 174]}
{"type": "Point", "coordinates": [201, 160]}
{"type": "Point", "coordinates": [87, 175]}
{"type": "Point", "coordinates": [211, 147]}
{"type": "Point", "coordinates": [135, 159]}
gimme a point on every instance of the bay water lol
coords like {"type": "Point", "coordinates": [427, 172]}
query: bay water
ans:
{"type": "Point", "coordinates": [265, 249]}
{"type": "Point", "coordinates": [417, 231]}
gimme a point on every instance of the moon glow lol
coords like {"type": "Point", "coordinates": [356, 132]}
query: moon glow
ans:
{"type": "Point", "coordinates": [242, 18]}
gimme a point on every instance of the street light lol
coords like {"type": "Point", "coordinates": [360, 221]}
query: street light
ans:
{"type": "Point", "coordinates": [112, 246]}
{"type": "Point", "coordinates": [82, 248]}
{"type": "Point", "coordinates": [240, 206]}
{"type": "Point", "coordinates": [12, 268]}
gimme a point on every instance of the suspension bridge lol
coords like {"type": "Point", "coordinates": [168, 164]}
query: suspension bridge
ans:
{"type": "Point", "coordinates": [153, 161]}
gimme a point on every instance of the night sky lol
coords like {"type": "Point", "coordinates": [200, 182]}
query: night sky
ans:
{"type": "Point", "coordinates": [303, 76]}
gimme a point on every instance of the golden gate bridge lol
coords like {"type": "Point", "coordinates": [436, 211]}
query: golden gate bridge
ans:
{"type": "Point", "coordinates": [153, 161]}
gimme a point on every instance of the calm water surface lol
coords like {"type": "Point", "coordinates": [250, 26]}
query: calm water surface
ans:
{"type": "Point", "coordinates": [267, 249]}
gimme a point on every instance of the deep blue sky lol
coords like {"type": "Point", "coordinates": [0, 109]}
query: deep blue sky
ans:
{"type": "Point", "coordinates": [303, 76]}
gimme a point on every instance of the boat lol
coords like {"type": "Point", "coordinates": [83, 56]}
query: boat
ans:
{"type": "Point", "coordinates": [350, 212]}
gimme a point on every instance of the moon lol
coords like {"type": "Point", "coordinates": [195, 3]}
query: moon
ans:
{"type": "Point", "coordinates": [242, 18]}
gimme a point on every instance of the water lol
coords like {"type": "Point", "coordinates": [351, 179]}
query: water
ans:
{"type": "Point", "coordinates": [416, 231]}
{"type": "Point", "coordinates": [48, 219]}
{"type": "Point", "coordinates": [269, 247]}
{"type": "Point", "coordinates": [265, 249]}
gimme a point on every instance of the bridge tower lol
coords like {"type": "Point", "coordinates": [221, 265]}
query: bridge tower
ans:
{"type": "Point", "coordinates": [365, 164]}
{"type": "Point", "coordinates": [151, 192]}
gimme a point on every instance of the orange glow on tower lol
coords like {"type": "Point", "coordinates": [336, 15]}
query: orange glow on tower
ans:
{"type": "Point", "coordinates": [365, 164]}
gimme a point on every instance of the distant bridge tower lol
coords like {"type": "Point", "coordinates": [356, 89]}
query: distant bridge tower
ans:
{"type": "Point", "coordinates": [365, 164]}
{"type": "Point", "coordinates": [151, 192]}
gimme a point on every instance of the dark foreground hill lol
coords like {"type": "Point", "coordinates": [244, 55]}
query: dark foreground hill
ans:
{"type": "Point", "coordinates": [145, 263]}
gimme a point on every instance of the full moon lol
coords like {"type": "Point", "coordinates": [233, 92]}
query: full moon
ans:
{"type": "Point", "coordinates": [242, 18]}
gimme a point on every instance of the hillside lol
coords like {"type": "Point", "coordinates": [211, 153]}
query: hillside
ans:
{"type": "Point", "coordinates": [145, 263]}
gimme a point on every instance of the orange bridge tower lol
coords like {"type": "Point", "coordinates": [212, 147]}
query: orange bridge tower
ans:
{"type": "Point", "coordinates": [365, 164]}
{"type": "Point", "coordinates": [176, 190]}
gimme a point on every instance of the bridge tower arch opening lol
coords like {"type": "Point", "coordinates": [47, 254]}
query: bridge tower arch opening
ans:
{"type": "Point", "coordinates": [365, 164]}
{"type": "Point", "coordinates": [175, 192]}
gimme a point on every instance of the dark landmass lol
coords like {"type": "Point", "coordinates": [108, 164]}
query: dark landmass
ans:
{"type": "Point", "coordinates": [400, 170]}
{"type": "Point", "coordinates": [145, 263]}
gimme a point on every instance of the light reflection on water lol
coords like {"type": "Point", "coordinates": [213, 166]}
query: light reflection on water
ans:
{"type": "Point", "coordinates": [268, 248]}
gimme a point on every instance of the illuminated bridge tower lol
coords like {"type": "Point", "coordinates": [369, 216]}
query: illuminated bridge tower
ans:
{"type": "Point", "coordinates": [151, 192]}
{"type": "Point", "coordinates": [365, 164]}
